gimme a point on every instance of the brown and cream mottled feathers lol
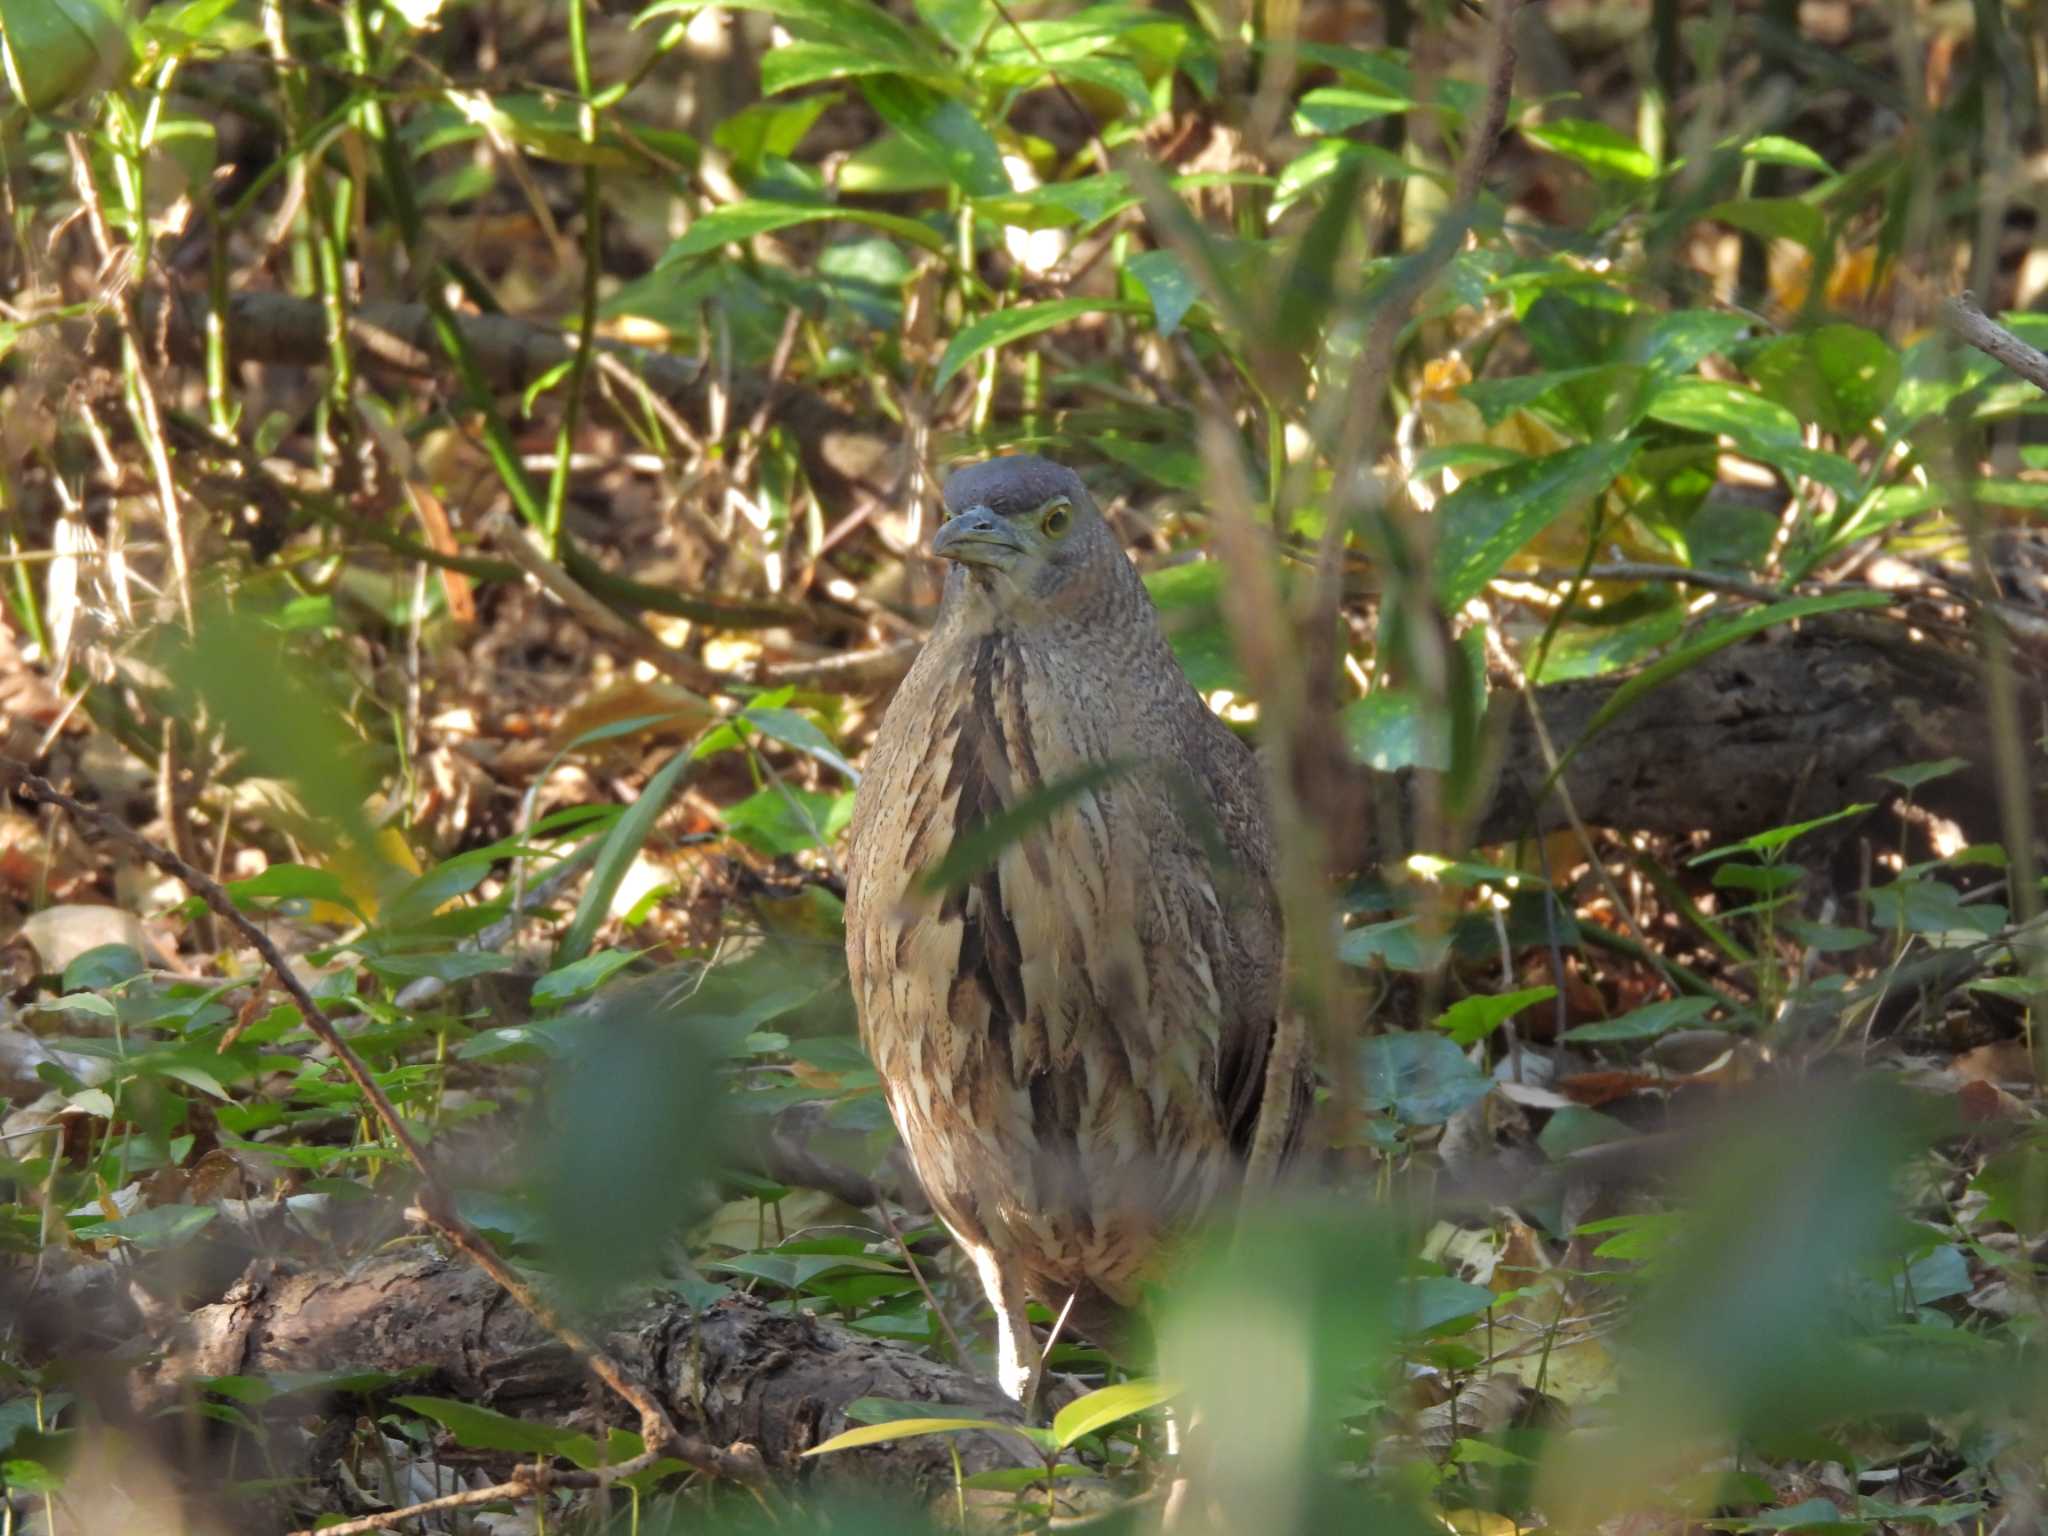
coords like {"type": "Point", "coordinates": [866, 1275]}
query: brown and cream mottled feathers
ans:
{"type": "Point", "coordinates": [1072, 1042]}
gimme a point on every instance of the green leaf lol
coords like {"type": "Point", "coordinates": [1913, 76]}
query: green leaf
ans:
{"type": "Point", "coordinates": [1189, 598]}
{"type": "Point", "coordinates": [1392, 728]}
{"type": "Point", "coordinates": [1836, 376]}
{"type": "Point", "coordinates": [1934, 909]}
{"type": "Point", "coordinates": [1002, 326]}
{"type": "Point", "coordinates": [1472, 1019]}
{"type": "Point", "coordinates": [801, 732]}
{"type": "Point", "coordinates": [1106, 1405]}
{"type": "Point", "coordinates": [1487, 519]}
{"type": "Point", "coordinates": [1167, 284]}
{"type": "Point", "coordinates": [1401, 943]}
{"type": "Point", "coordinates": [1774, 218]}
{"type": "Point", "coordinates": [1644, 1023]}
{"type": "Point", "coordinates": [797, 64]}
{"type": "Point", "coordinates": [1775, 149]}
{"type": "Point", "coordinates": [1430, 1301]}
{"type": "Point", "coordinates": [1331, 110]}
{"type": "Point", "coordinates": [1771, 840]}
{"type": "Point", "coordinates": [738, 222]}
{"type": "Point", "coordinates": [1595, 146]}
{"type": "Point", "coordinates": [1421, 1078]}
{"type": "Point", "coordinates": [580, 978]}
{"type": "Point", "coordinates": [1760, 428]}
{"type": "Point", "coordinates": [943, 129]}
{"type": "Point", "coordinates": [1080, 205]}
{"type": "Point", "coordinates": [1913, 775]}
{"type": "Point", "coordinates": [782, 819]}
{"type": "Point", "coordinates": [910, 1429]}
{"type": "Point", "coordinates": [57, 49]}
{"type": "Point", "coordinates": [621, 846]}
{"type": "Point", "coordinates": [484, 1429]}
{"type": "Point", "coordinates": [159, 1227]}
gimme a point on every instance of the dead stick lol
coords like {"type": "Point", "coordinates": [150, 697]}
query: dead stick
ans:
{"type": "Point", "coordinates": [1992, 339]}
{"type": "Point", "coordinates": [660, 1436]}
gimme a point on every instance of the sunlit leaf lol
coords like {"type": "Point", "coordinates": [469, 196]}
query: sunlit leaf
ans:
{"type": "Point", "coordinates": [999, 327]}
{"type": "Point", "coordinates": [740, 222]}
{"type": "Point", "coordinates": [1595, 146]}
{"type": "Point", "coordinates": [1487, 519]}
{"type": "Point", "coordinates": [1836, 376]}
{"type": "Point", "coordinates": [1106, 1405]}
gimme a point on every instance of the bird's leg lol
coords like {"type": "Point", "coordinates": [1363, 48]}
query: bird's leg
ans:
{"type": "Point", "coordinates": [1018, 1362]}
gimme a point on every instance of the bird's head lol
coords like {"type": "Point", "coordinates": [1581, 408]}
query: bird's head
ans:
{"type": "Point", "coordinates": [1025, 532]}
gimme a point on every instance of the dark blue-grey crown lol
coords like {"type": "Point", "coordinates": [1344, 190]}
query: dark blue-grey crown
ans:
{"type": "Point", "coordinates": [1012, 486]}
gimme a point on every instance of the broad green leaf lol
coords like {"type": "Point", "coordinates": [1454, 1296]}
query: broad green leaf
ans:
{"type": "Point", "coordinates": [782, 819]}
{"type": "Point", "coordinates": [1676, 342]}
{"type": "Point", "coordinates": [801, 732]}
{"type": "Point", "coordinates": [1167, 284]}
{"type": "Point", "coordinates": [1825, 938]}
{"type": "Point", "coordinates": [1935, 909]}
{"type": "Point", "coordinates": [944, 130]}
{"type": "Point", "coordinates": [1106, 1405]}
{"type": "Point", "coordinates": [1774, 218]}
{"type": "Point", "coordinates": [1430, 1301]}
{"type": "Point", "coordinates": [1595, 146]}
{"type": "Point", "coordinates": [1760, 428]}
{"type": "Point", "coordinates": [1726, 410]}
{"type": "Point", "coordinates": [1644, 1023]}
{"type": "Point", "coordinates": [580, 978]}
{"type": "Point", "coordinates": [1401, 943]}
{"type": "Point", "coordinates": [1487, 519]}
{"type": "Point", "coordinates": [1913, 775]}
{"type": "Point", "coordinates": [1471, 1019]}
{"type": "Point", "coordinates": [1189, 598]}
{"type": "Point", "coordinates": [740, 222]}
{"type": "Point", "coordinates": [1000, 327]}
{"type": "Point", "coordinates": [1836, 376]}
{"type": "Point", "coordinates": [1391, 729]}
{"type": "Point", "coordinates": [56, 49]}
{"type": "Point", "coordinates": [1422, 1078]}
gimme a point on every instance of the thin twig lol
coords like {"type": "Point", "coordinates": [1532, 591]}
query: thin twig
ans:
{"type": "Point", "coordinates": [1962, 316]}
{"type": "Point", "coordinates": [741, 1463]}
{"type": "Point", "coordinates": [521, 548]}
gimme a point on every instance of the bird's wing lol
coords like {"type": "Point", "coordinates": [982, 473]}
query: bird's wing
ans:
{"type": "Point", "coordinates": [1251, 948]}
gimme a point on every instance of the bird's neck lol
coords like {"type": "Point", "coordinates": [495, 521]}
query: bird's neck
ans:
{"type": "Point", "coordinates": [1103, 605]}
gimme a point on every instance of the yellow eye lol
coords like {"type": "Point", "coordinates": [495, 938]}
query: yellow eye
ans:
{"type": "Point", "coordinates": [1057, 516]}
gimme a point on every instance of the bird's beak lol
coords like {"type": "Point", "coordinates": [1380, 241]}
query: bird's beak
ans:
{"type": "Point", "coordinates": [979, 537]}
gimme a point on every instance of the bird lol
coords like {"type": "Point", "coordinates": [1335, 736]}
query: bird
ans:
{"type": "Point", "coordinates": [1072, 1027]}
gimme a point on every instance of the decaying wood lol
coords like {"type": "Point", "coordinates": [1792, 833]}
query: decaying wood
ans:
{"type": "Point", "coordinates": [1775, 730]}
{"type": "Point", "coordinates": [737, 1371]}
